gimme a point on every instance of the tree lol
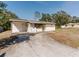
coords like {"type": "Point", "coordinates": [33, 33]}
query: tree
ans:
{"type": "Point", "coordinates": [46, 17]}
{"type": "Point", "coordinates": [2, 6]}
{"type": "Point", "coordinates": [5, 15]}
{"type": "Point", "coordinates": [6, 23]}
{"type": "Point", "coordinates": [37, 15]}
{"type": "Point", "coordinates": [61, 18]}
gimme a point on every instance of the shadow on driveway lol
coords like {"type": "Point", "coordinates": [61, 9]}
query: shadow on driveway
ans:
{"type": "Point", "coordinates": [13, 40]}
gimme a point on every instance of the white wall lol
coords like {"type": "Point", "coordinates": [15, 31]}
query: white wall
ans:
{"type": "Point", "coordinates": [70, 26]}
{"type": "Point", "coordinates": [50, 28]}
{"type": "Point", "coordinates": [14, 28]}
{"type": "Point", "coordinates": [76, 26]}
{"type": "Point", "coordinates": [18, 27]}
{"type": "Point", "coordinates": [21, 27]}
{"type": "Point", "coordinates": [31, 28]}
{"type": "Point", "coordinates": [66, 26]}
{"type": "Point", "coordinates": [39, 30]}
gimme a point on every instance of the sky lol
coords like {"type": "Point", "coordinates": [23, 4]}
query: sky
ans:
{"type": "Point", "coordinates": [26, 9]}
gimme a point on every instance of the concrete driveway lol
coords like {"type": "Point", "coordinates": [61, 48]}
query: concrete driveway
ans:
{"type": "Point", "coordinates": [41, 45]}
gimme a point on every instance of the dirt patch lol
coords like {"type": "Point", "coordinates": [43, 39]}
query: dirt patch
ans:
{"type": "Point", "coordinates": [5, 34]}
{"type": "Point", "coordinates": [66, 36]}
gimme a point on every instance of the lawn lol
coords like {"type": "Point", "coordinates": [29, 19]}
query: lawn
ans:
{"type": "Point", "coordinates": [69, 36]}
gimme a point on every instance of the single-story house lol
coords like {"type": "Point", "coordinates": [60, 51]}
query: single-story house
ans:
{"type": "Point", "coordinates": [30, 26]}
{"type": "Point", "coordinates": [71, 25]}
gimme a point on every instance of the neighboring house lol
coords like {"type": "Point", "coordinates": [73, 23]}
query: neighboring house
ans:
{"type": "Point", "coordinates": [71, 25]}
{"type": "Point", "coordinates": [29, 26]}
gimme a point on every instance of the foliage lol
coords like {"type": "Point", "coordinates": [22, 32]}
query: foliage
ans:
{"type": "Point", "coordinates": [5, 15]}
{"type": "Point", "coordinates": [61, 18]}
{"type": "Point", "coordinates": [37, 15]}
{"type": "Point", "coordinates": [46, 17]}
